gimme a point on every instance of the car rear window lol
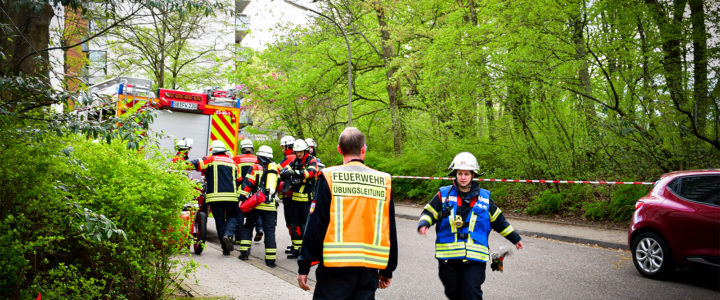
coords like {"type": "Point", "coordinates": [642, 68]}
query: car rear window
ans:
{"type": "Point", "coordinates": [698, 188]}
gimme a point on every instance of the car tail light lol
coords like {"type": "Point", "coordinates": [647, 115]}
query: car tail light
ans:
{"type": "Point", "coordinates": [638, 204]}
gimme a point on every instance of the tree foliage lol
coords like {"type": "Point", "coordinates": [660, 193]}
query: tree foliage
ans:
{"type": "Point", "coordinates": [607, 89]}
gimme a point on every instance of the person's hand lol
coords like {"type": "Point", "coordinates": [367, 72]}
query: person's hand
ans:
{"type": "Point", "coordinates": [302, 281]}
{"type": "Point", "coordinates": [299, 174]}
{"type": "Point", "coordinates": [384, 282]}
{"type": "Point", "coordinates": [423, 230]}
{"type": "Point", "coordinates": [519, 245]}
{"type": "Point", "coordinates": [286, 173]}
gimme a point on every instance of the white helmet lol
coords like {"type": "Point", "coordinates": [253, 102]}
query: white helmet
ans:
{"type": "Point", "coordinates": [465, 161]}
{"type": "Point", "coordinates": [184, 144]}
{"type": "Point", "coordinates": [265, 151]}
{"type": "Point", "coordinates": [217, 146]}
{"type": "Point", "coordinates": [310, 142]}
{"type": "Point", "coordinates": [300, 145]}
{"type": "Point", "coordinates": [287, 141]}
{"type": "Point", "coordinates": [246, 144]}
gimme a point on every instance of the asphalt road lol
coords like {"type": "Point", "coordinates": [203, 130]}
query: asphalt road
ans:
{"type": "Point", "coordinates": [545, 269]}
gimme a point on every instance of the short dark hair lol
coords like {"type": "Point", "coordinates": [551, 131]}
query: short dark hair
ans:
{"type": "Point", "coordinates": [351, 141]}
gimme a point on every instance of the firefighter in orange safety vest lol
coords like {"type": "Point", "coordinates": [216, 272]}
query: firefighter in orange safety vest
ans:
{"type": "Point", "coordinates": [262, 179]}
{"type": "Point", "coordinates": [301, 174]}
{"type": "Point", "coordinates": [245, 162]}
{"type": "Point", "coordinates": [221, 177]}
{"type": "Point", "coordinates": [351, 230]}
{"type": "Point", "coordinates": [464, 215]}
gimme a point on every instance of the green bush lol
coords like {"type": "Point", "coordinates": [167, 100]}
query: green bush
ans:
{"type": "Point", "coordinates": [620, 206]}
{"type": "Point", "coordinates": [83, 219]}
{"type": "Point", "coordinates": [547, 203]}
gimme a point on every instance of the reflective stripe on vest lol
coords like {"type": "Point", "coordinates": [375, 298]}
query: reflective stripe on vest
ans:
{"type": "Point", "coordinates": [359, 227]}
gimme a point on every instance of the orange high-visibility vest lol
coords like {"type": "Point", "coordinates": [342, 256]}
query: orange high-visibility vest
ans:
{"type": "Point", "coordinates": [358, 234]}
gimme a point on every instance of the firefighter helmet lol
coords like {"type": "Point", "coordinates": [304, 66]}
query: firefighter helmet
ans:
{"type": "Point", "coordinates": [300, 145]}
{"type": "Point", "coordinates": [287, 141]}
{"type": "Point", "coordinates": [265, 151]}
{"type": "Point", "coordinates": [184, 144]}
{"type": "Point", "coordinates": [310, 142]}
{"type": "Point", "coordinates": [246, 144]}
{"type": "Point", "coordinates": [217, 146]}
{"type": "Point", "coordinates": [464, 161]}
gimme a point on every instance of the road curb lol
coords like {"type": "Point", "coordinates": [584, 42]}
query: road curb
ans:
{"type": "Point", "coordinates": [564, 238]}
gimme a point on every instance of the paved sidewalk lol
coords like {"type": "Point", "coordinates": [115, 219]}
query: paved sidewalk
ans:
{"type": "Point", "coordinates": [575, 233]}
{"type": "Point", "coordinates": [226, 276]}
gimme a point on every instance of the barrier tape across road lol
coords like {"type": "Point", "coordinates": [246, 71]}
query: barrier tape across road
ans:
{"type": "Point", "coordinates": [530, 180]}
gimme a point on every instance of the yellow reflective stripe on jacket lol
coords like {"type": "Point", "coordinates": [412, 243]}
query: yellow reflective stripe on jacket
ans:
{"type": "Point", "coordinates": [426, 218]}
{"type": "Point", "coordinates": [450, 246]}
{"type": "Point", "coordinates": [507, 230]}
{"type": "Point", "coordinates": [472, 222]}
{"type": "Point", "coordinates": [301, 197]}
{"type": "Point", "coordinates": [222, 196]}
{"type": "Point", "coordinates": [431, 210]}
{"type": "Point", "coordinates": [495, 215]}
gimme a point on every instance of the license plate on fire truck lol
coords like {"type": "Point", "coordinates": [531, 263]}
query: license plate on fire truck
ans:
{"type": "Point", "coordinates": [184, 105]}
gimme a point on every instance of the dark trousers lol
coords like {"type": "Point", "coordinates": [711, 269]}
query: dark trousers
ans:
{"type": "Point", "coordinates": [296, 214]}
{"type": "Point", "coordinates": [240, 221]}
{"type": "Point", "coordinates": [462, 280]}
{"type": "Point", "coordinates": [269, 220]}
{"type": "Point", "coordinates": [225, 214]}
{"type": "Point", "coordinates": [345, 283]}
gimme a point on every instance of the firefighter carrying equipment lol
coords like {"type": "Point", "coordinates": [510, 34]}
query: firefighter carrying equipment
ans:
{"type": "Point", "coordinates": [359, 217]}
{"type": "Point", "coordinates": [299, 176]}
{"type": "Point", "coordinates": [263, 180]}
{"type": "Point", "coordinates": [464, 161]}
{"type": "Point", "coordinates": [217, 146]}
{"type": "Point", "coordinates": [221, 176]}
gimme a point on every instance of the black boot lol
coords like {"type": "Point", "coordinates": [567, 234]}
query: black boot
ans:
{"type": "Point", "coordinates": [258, 236]}
{"type": "Point", "coordinates": [244, 255]}
{"type": "Point", "coordinates": [289, 250]}
{"type": "Point", "coordinates": [294, 254]}
{"type": "Point", "coordinates": [270, 263]}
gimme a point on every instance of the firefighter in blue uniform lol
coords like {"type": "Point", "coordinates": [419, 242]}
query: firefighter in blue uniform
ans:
{"type": "Point", "coordinates": [464, 215]}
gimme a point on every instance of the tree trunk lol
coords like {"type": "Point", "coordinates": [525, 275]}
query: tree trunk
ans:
{"type": "Point", "coordinates": [392, 85]}
{"type": "Point", "coordinates": [26, 32]}
{"type": "Point", "coordinates": [578, 26]}
{"type": "Point", "coordinates": [700, 67]}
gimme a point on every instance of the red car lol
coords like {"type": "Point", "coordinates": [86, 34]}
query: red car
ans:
{"type": "Point", "coordinates": [677, 223]}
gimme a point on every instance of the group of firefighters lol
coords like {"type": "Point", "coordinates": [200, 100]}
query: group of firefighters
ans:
{"type": "Point", "coordinates": [230, 182]}
{"type": "Point", "coordinates": [343, 217]}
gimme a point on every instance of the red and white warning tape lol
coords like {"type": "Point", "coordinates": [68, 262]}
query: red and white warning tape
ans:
{"type": "Point", "coordinates": [531, 180]}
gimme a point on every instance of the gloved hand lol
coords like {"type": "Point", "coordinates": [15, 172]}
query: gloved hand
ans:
{"type": "Point", "coordinates": [286, 173]}
{"type": "Point", "coordinates": [299, 174]}
{"type": "Point", "coordinates": [242, 198]}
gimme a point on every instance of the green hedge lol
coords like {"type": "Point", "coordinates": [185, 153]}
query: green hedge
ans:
{"type": "Point", "coordinates": [83, 220]}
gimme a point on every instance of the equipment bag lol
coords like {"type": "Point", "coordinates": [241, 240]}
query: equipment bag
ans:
{"type": "Point", "coordinates": [253, 201]}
